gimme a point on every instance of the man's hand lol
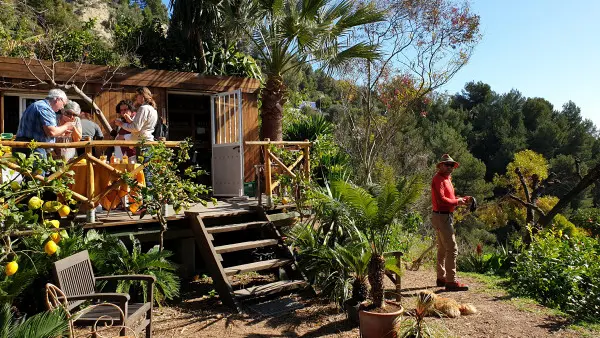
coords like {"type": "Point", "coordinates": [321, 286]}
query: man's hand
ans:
{"type": "Point", "coordinates": [464, 200]}
{"type": "Point", "coordinates": [118, 122]}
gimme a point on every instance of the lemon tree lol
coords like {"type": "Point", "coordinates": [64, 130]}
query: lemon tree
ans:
{"type": "Point", "coordinates": [166, 184]}
{"type": "Point", "coordinates": [32, 205]}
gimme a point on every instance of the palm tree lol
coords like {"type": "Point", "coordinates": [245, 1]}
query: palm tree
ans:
{"type": "Point", "coordinates": [290, 33]}
{"type": "Point", "coordinates": [374, 215]}
{"type": "Point", "coordinates": [200, 22]}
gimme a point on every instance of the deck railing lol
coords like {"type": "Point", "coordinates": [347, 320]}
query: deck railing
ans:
{"type": "Point", "coordinates": [272, 163]}
{"type": "Point", "coordinates": [91, 198]}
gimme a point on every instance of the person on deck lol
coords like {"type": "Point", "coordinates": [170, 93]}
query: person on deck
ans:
{"type": "Point", "coordinates": [142, 125]}
{"type": "Point", "coordinates": [444, 202]}
{"type": "Point", "coordinates": [89, 128]}
{"type": "Point", "coordinates": [126, 113]}
{"type": "Point", "coordinates": [38, 121]}
{"type": "Point", "coordinates": [70, 115]}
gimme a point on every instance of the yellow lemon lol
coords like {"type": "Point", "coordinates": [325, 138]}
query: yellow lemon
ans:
{"type": "Point", "coordinates": [285, 200]}
{"type": "Point", "coordinates": [11, 268]}
{"type": "Point", "coordinates": [52, 206]}
{"type": "Point", "coordinates": [64, 211]}
{"type": "Point", "coordinates": [50, 248]}
{"type": "Point", "coordinates": [35, 203]}
{"type": "Point", "coordinates": [52, 223]}
{"type": "Point", "coordinates": [55, 237]}
{"type": "Point", "coordinates": [14, 185]}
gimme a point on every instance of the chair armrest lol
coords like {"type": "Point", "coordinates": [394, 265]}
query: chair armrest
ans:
{"type": "Point", "coordinates": [147, 278]}
{"type": "Point", "coordinates": [120, 297]}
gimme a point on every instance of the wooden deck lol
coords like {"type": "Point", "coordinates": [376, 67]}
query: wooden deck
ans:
{"type": "Point", "coordinates": [119, 218]}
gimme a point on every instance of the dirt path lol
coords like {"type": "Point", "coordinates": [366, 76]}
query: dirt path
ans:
{"type": "Point", "coordinates": [499, 316]}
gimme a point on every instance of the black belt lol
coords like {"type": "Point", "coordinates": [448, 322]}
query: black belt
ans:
{"type": "Point", "coordinates": [443, 212]}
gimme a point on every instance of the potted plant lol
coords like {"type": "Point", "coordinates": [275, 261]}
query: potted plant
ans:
{"type": "Point", "coordinates": [374, 216]}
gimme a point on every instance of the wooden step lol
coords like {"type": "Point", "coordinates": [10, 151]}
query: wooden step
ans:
{"type": "Point", "coordinates": [269, 289]}
{"type": "Point", "coordinates": [245, 245]}
{"type": "Point", "coordinates": [256, 266]}
{"type": "Point", "coordinates": [233, 227]}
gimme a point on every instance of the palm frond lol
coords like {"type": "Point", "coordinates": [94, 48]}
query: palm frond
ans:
{"type": "Point", "coordinates": [336, 62]}
{"type": "Point", "coordinates": [47, 324]}
{"type": "Point", "coordinates": [359, 200]}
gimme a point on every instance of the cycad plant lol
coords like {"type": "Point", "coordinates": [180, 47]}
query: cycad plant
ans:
{"type": "Point", "coordinates": [118, 260]}
{"type": "Point", "coordinates": [373, 216]}
{"type": "Point", "coordinates": [46, 324]}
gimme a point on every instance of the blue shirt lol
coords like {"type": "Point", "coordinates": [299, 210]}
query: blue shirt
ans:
{"type": "Point", "coordinates": [33, 120]}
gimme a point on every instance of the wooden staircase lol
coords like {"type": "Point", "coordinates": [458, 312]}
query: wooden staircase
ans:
{"type": "Point", "coordinates": [245, 241]}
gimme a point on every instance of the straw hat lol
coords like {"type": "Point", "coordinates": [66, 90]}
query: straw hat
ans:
{"type": "Point", "coordinates": [447, 159]}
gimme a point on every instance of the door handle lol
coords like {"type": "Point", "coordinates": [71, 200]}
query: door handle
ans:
{"type": "Point", "coordinates": [236, 147]}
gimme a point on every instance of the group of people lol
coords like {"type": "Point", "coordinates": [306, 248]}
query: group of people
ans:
{"type": "Point", "coordinates": [57, 119]}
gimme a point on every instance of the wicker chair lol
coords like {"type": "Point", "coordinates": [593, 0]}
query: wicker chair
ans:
{"type": "Point", "coordinates": [75, 277]}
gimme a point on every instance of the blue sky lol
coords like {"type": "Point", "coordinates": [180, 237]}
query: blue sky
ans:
{"type": "Point", "coordinates": [543, 48]}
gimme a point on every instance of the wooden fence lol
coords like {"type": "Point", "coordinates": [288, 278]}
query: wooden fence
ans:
{"type": "Point", "coordinates": [91, 197]}
{"type": "Point", "coordinates": [271, 162]}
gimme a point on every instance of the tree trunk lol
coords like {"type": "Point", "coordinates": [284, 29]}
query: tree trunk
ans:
{"type": "Point", "coordinates": [273, 99]}
{"type": "Point", "coordinates": [376, 275]}
{"type": "Point", "coordinates": [201, 62]}
{"type": "Point", "coordinates": [592, 176]}
{"type": "Point", "coordinates": [360, 290]}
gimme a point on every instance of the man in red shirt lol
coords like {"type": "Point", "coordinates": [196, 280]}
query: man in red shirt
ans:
{"type": "Point", "coordinates": [444, 202]}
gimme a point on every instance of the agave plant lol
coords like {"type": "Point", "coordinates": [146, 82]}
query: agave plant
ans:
{"type": "Point", "coordinates": [373, 216]}
{"type": "Point", "coordinates": [47, 324]}
{"type": "Point", "coordinates": [120, 261]}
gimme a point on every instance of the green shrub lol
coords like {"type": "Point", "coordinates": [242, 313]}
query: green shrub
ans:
{"type": "Point", "coordinates": [561, 272]}
{"type": "Point", "coordinates": [118, 260]}
{"type": "Point", "coordinates": [588, 219]}
{"type": "Point", "coordinates": [497, 261]}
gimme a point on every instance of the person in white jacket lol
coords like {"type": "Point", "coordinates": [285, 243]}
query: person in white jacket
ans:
{"type": "Point", "coordinates": [142, 125]}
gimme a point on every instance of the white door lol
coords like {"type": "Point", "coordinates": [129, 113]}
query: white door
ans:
{"type": "Point", "coordinates": [227, 144]}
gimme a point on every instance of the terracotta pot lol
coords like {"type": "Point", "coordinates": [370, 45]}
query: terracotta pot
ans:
{"type": "Point", "coordinates": [378, 325]}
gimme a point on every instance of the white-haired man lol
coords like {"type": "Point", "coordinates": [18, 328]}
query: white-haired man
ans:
{"type": "Point", "coordinates": [38, 121]}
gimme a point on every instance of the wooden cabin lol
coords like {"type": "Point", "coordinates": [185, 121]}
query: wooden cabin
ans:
{"type": "Point", "coordinates": [218, 113]}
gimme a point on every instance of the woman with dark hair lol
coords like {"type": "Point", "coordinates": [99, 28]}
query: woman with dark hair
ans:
{"type": "Point", "coordinates": [142, 124]}
{"type": "Point", "coordinates": [126, 113]}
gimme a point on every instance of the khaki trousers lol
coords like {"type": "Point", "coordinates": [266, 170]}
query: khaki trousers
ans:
{"type": "Point", "coordinates": [447, 250]}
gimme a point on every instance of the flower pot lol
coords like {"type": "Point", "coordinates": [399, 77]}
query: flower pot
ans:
{"type": "Point", "coordinates": [352, 308]}
{"type": "Point", "coordinates": [379, 325]}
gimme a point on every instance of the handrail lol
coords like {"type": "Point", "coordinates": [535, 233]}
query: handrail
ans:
{"type": "Point", "coordinates": [84, 144]}
{"type": "Point", "coordinates": [91, 197]}
{"type": "Point", "coordinates": [269, 157]}
{"type": "Point", "coordinates": [289, 143]}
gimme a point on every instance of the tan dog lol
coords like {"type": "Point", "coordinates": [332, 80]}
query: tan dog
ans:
{"type": "Point", "coordinates": [442, 306]}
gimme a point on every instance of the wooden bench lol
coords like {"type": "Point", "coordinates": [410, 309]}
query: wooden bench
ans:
{"type": "Point", "coordinates": [75, 277]}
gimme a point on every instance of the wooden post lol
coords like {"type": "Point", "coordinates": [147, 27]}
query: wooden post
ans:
{"type": "Point", "coordinates": [268, 188]}
{"type": "Point", "coordinates": [306, 151]}
{"type": "Point", "coordinates": [398, 256]}
{"type": "Point", "coordinates": [91, 213]}
{"type": "Point", "coordinates": [2, 112]}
